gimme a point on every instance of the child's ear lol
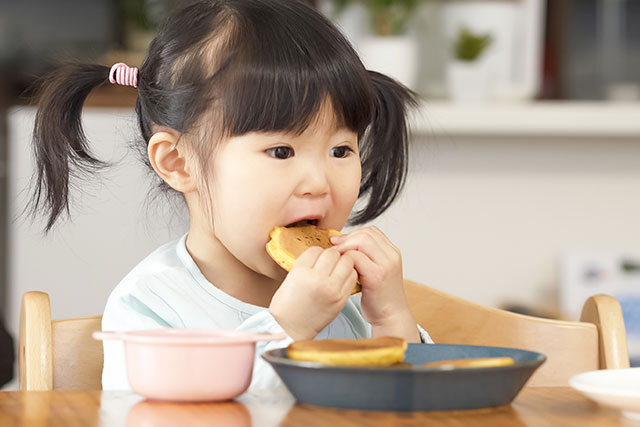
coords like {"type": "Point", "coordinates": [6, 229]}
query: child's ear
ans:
{"type": "Point", "coordinates": [171, 162]}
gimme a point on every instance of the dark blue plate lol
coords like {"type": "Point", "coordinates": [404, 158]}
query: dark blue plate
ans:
{"type": "Point", "coordinates": [414, 388]}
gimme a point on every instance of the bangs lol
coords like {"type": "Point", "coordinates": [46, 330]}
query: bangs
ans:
{"type": "Point", "coordinates": [280, 70]}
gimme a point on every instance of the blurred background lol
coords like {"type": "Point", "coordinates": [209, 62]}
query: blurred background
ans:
{"type": "Point", "coordinates": [525, 150]}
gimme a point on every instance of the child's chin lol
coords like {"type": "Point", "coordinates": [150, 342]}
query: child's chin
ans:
{"type": "Point", "coordinates": [276, 273]}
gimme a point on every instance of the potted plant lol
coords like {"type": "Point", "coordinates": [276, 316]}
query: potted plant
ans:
{"type": "Point", "coordinates": [467, 74]}
{"type": "Point", "coordinates": [389, 47]}
{"type": "Point", "coordinates": [388, 17]}
{"type": "Point", "coordinates": [509, 66]}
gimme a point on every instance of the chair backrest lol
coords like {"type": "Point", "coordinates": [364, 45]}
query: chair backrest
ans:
{"type": "Point", "coordinates": [59, 354]}
{"type": "Point", "coordinates": [597, 342]}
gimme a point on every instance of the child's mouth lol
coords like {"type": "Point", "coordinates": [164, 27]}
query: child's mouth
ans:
{"type": "Point", "coordinates": [303, 223]}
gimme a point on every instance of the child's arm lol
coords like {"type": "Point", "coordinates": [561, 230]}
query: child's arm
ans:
{"type": "Point", "coordinates": [379, 265]}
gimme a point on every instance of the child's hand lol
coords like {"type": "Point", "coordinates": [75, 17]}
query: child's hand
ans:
{"type": "Point", "coordinates": [379, 266]}
{"type": "Point", "coordinates": [314, 292]}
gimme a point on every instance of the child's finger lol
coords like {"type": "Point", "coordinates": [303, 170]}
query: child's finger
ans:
{"type": "Point", "coordinates": [309, 257]}
{"type": "Point", "coordinates": [327, 260]}
{"type": "Point", "coordinates": [381, 236]}
{"type": "Point", "coordinates": [350, 282]}
{"type": "Point", "coordinates": [343, 269]}
{"type": "Point", "coordinates": [366, 243]}
{"type": "Point", "coordinates": [362, 264]}
{"type": "Point", "coordinates": [383, 241]}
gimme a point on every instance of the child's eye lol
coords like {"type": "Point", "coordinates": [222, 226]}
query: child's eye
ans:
{"type": "Point", "coordinates": [280, 152]}
{"type": "Point", "coordinates": [341, 152]}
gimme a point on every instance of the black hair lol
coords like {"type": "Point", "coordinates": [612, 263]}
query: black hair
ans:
{"type": "Point", "coordinates": [256, 65]}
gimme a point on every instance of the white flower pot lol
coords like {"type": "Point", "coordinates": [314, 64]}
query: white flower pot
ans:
{"type": "Point", "coordinates": [468, 81]}
{"type": "Point", "coordinates": [395, 56]}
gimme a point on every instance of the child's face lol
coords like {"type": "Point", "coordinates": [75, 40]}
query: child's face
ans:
{"type": "Point", "coordinates": [261, 180]}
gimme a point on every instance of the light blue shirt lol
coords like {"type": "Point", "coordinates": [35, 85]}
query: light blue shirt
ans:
{"type": "Point", "coordinates": [167, 290]}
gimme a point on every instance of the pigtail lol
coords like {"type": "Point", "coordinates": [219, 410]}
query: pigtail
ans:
{"type": "Point", "coordinates": [384, 152]}
{"type": "Point", "coordinates": [59, 144]}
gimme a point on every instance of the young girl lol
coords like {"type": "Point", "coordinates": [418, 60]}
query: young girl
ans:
{"type": "Point", "coordinates": [260, 114]}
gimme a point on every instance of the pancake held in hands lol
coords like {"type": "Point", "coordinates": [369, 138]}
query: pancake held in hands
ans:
{"type": "Point", "coordinates": [383, 351]}
{"type": "Point", "coordinates": [288, 243]}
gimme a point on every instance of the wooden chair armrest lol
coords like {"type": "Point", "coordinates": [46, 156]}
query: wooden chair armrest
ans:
{"type": "Point", "coordinates": [35, 350]}
{"type": "Point", "coordinates": [604, 311]}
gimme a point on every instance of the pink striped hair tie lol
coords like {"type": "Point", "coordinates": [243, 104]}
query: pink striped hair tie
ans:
{"type": "Point", "coordinates": [122, 74]}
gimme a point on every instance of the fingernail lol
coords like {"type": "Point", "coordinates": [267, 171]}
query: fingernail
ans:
{"type": "Point", "coordinates": [334, 239]}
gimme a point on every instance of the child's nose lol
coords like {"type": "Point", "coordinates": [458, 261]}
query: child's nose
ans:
{"type": "Point", "coordinates": [313, 180]}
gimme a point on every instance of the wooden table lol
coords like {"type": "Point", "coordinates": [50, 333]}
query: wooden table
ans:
{"type": "Point", "coordinates": [534, 406]}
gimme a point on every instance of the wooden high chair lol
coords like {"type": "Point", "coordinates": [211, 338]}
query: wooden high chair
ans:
{"type": "Point", "coordinates": [598, 341]}
{"type": "Point", "coordinates": [58, 354]}
{"type": "Point", "coordinates": [61, 354]}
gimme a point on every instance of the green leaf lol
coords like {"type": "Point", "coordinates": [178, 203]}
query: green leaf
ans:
{"type": "Point", "coordinates": [469, 46]}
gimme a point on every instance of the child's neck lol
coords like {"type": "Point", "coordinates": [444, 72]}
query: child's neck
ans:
{"type": "Point", "coordinates": [225, 272]}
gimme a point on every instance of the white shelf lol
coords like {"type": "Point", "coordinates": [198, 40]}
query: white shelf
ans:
{"type": "Point", "coordinates": [567, 119]}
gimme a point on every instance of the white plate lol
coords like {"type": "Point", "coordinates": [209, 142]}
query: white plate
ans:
{"type": "Point", "coordinates": [618, 388]}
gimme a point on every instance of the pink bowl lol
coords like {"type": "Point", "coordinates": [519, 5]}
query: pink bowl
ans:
{"type": "Point", "coordinates": [189, 365]}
